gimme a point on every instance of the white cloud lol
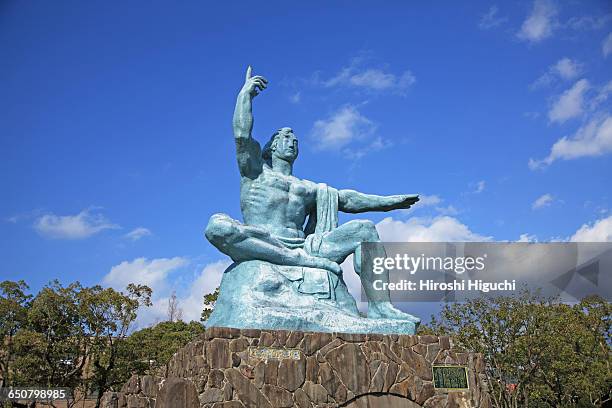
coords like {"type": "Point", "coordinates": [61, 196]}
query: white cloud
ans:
{"type": "Point", "coordinates": [406, 80]}
{"type": "Point", "coordinates": [565, 69]}
{"type": "Point", "coordinates": [527, 238]}
{"type": "Point", "coordinates": [606, 46]}
{"type": "Point", "coordinates": [589, 22]}
{"type": "Point", "coordinates": [602, 95]}
{"type": "Point", "coordinates": [570, 104]}
{"type": "Point", "coordinates": [207, 281]}
{"type": "Point", "coordinates": [476, 187]}
{"type": "Point", "coordinates": [428, 200]}
{"type": "Point", "coordinates": [432, 201]}
{"type": "Point", "coordinates": [353, 282]}
{"type": "Point", "coordinates": [448, 210]}
{"type": "Point", "coordinates": [540, 23]}
{"type": "Point", "coordinates": [376, 145]}
{"type": "Point", "coordinates": [296, 97]}
{"type": "Point", "coordinates": [592, 139]}
{"type": "Point", "coordinates": [491, 19]}
{"type": "Point", "coordinates": [342, 128]}
{"type": "Point", "coordinates": [138, 233]}
{"type": "Point", "coordinates": [373, 79]}
{"type": "Point", "coordinates": [599, 231]}
{"type": "Point", "coordinates": [22, 216]}
{"type": "Point", "coordinates": [544, 200]}
{"type": "Point", "coordinates": [480, 187]}
{"type": "Point", "coordinates": [142, 271]}
{"type": "Point", "coordinates": [424, 229]}
{"type": "Point", "coordinates": [156, 273]}
{"type": "Point", "coordinates": [79, 226]}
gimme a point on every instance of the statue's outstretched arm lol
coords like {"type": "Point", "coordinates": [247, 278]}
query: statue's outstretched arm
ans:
{"type": "Point", "coordinates": [248, 150]}
{"type": "Point", "coordinates": [352, 201]}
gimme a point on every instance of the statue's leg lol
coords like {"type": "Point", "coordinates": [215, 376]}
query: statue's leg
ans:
{"type": "Point", "coordinates": [247, 242]}
{"type": "Point", "coordinates": [338, 244]}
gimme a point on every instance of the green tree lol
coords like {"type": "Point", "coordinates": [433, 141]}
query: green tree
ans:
{"type": "Point", "coordinates": [576, 367]}
{"type": "Point", "coordinates": [538, 352]}
{"type": "Point", "coordinates": [209, 304]}
{"type": "Point", "coordinates": [149, 350]}
{"type": "Point", "coordinates": [14, 303]}
{"type": "Point", "coordinates": [109, 315]}
{"type": "Point", "coordinates": [51, 348]}
{"type": "Point", "coordinates": [73, 337]}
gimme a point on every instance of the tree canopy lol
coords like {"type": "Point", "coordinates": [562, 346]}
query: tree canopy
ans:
{"type": "Point", "coordinates": [538, 352]}
{"type": "Point", "coordinates": [81, 337]}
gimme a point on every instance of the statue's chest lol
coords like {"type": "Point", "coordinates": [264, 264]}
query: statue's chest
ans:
{"type": "Point", "coordinates": [281, 191]}
{"type": "Point", "coordinates": [273, 182]}
{"type": "Point", "coordinates": [279, 184]}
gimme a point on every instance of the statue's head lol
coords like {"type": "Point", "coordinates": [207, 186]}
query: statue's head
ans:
{"type": "Point", "coordinates": [283, 144]}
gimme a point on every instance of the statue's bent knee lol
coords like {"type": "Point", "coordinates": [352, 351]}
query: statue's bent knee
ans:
{"type": "Point", "coordinates": [367, 230]}
{"type": "Point", "coordinates": [221, 229]}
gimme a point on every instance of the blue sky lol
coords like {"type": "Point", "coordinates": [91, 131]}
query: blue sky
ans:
{"type": "Point", "coordinates": [116, 142]}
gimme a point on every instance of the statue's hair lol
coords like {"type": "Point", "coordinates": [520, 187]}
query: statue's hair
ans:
{"type": "Point", "coordinates": [266, 154]}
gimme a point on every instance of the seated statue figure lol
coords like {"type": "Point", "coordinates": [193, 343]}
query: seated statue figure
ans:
{"type": "Point", "coordinates": [293, 222]}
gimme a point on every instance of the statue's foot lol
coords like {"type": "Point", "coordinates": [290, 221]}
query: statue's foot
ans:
{"type": "Point", "coordinates": [385, 310]}
{"type": "Point", "coordinates": [316, 262]}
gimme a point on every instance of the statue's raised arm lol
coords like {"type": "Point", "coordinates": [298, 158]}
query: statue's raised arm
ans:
{"type": "Point", "coordinates": [248, 150]}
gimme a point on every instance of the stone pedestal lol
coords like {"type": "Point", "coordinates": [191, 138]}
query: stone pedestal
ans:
{"type": "Point", "coordinates": [261, 368]}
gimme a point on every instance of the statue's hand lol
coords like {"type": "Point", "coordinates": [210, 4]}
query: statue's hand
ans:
{"type": "Point", "coordinates": [254, 85]}
{"type": "Point", "coordinates": [406, 200]}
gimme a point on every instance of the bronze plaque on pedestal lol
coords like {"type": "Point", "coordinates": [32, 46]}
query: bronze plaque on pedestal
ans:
{"type": "Point", "coordinates": [450, 377]}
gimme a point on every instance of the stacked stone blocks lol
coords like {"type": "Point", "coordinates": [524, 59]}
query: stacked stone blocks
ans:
{"type": "Point", "coordinates": [218, 370]}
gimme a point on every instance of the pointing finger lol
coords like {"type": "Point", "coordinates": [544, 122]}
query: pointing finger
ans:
{"type": "Point", "coordinates": [248, 73]}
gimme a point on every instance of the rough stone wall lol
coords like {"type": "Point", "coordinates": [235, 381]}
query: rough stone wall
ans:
{"type": "Point", "coordinates": [333, 369]}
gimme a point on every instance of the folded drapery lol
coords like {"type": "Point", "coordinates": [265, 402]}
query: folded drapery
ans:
{"type": "Point", "coordinates": [319, 282]}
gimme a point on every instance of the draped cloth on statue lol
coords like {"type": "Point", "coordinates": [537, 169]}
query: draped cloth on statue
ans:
{"type": "Point", "coordinates": [313, 281]}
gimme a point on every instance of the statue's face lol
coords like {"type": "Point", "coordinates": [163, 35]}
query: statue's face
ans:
{"type": "Point", "coordinates": [286, 146]}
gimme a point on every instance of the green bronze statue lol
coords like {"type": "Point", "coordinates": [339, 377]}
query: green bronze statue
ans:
{"type": "Point", "coordinates": [293, 223]}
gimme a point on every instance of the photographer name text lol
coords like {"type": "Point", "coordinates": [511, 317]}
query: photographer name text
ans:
{"type": "Point", "coordinates": [429, 285]}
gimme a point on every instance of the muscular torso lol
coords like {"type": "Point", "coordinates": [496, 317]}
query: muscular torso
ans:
{"type": "Point", "coordinates": [276, 202]}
